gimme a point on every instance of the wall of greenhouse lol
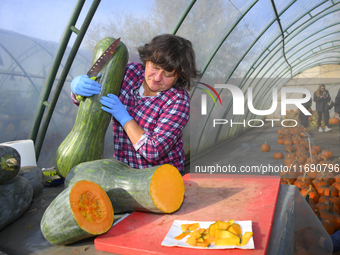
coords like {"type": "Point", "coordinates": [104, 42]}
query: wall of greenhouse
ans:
{"type": "Point", "coordinates": [257, 44]}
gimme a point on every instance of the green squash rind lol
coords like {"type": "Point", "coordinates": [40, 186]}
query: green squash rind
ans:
{"type": "Point", "coordinates": [127, 188]}
{"type": "Point", "coordinates": [36, 177]}
{"type": "Point", "coordinates": [58, 225]}
{"type": "Point", "coordinates": [15, 199]}
{"type": "Point", "coordinates": [85, 142]}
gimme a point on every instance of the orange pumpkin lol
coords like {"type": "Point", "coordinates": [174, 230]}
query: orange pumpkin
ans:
{"type": "Point", "coordinates": [326, 189]}
{"type": "Point", "coordinates": [265, 147]}
{"type": "Point", "coordinates": [278, 155]}
{"type": "Point", "coordinates": [333, 121]}
{"type": "Point", "coordinates": [328, 153]}
{"type": "Point", "coordinates": [326, 223]}
{"type": "Point", "coordinates": [331, 215]}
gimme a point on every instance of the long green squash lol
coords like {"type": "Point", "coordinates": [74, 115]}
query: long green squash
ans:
{"type": "Point", "coordinates": [85, 142]}
{"type": "Point", "coordinates": [158, 189]}
{"type": "Point", "coordinates": [10, 162]}
{"type": "Point", "coordinates": [78, 212]}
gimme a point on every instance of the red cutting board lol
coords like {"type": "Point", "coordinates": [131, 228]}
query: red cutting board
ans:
{"type": "Point", "coordinates": [221, 197]}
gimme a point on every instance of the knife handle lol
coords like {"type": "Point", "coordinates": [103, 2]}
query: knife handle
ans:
{"type": "Point", "coordinates": [79, 98]}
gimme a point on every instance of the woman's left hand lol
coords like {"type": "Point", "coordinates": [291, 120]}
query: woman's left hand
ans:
{"type": "Point", "coordinates": [114, 106]}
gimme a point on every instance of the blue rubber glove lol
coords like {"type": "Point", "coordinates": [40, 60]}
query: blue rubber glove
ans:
{"type": "Point", "coordinates": [84, 86]}
{"type": "Point", "coordinates": [113, 105]}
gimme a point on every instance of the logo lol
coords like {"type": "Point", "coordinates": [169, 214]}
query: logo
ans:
{"type": "Point", "coordinates": [238, 103]}
{"type": "Point", "coordinates": [204, 97]}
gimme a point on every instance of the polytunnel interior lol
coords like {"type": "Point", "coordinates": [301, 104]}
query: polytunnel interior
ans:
{"type": "Point", "coordinates": [257, 46]}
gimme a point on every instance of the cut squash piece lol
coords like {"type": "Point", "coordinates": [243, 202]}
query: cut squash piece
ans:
{"type": "Point", "coordinates": [78, 212]}
{"type": "Point", "coordinates": [181, 236]}
{"type": "Point", "coordinates": [232, 240]}
{"type": "Point", "coordinates": [185, 227]}
{"type": "Point", "coordinates": [245, 238]}
{"type": "Point", "coordinates": [212, 230]}
{"type": "Point", "coordinates": [158, 189]}
{"type": "Point", "coordinates": [235, 229]}
{"type": "Point", "coordinates": [222, 225]}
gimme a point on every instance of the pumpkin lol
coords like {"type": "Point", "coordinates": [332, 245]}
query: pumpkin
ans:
{"type": "Point", "coordinates": [288, 177]}
{"type": "Point", "coordinates": [158, 189]}
{"type": "Point", "coordinates": [280, 141]}
{"type": "Point", "coordinates": [288, 142]}
{"type": "Point", "coordinates": [265, 147]}
{"type": "Point", "coordinates": [305, 176]}
{"type": "Point", "coordinates": [333, 121]}
{"type": "Point", "coordinates": [85, 142]}
{"type": "Point", "coordinates": [10, 161]}
{"type": "Point", "coordinates": [278, 155]}
{"type": "Point", "coordinates": [336, 185]}
{"type": "Point", "coordinates": [302, 183]}
{"type": "Point", "coordinates": [15, 199]}
{"type": "Point", "coordinates": [329, 197]}
{"type": "Point", "coordinates": [325, 205]}
{"type": "Point", "coordinates": [326, 223]}
{"type": "Point", "coordinates": [80, 211]}
{"type": "Point", "coordinates": [289, 148]}
{"type": "Point", "coordinates": [337, 178]}
{"type": "Point", "coordinates": [311, 192]}
{"type": "Point", "coordinates": [331, 215]}
{"type": "Point", "coordinates": [326, 189]}
{"type": "Point", "coordinates": [327, 153]}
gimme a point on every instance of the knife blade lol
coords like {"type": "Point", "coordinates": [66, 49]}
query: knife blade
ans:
{"type": "Point", "coordinates": [102, 60]}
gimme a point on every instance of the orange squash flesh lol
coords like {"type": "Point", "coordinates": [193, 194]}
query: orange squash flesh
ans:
{"type": "Point", "coordinates": [78, 212]}
{"type": "Point", "coordinates": [91, 207]}
{"type": "Point", "coordinates": [167, 188]}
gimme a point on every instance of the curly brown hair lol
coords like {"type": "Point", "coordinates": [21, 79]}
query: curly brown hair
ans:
{"type": "Point", "coordinates": [172, 53]}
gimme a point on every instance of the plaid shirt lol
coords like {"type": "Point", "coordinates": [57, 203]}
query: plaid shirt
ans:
{"type": "Point", "coordinates": [162, 117]}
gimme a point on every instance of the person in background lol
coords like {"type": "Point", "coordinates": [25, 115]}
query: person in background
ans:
{"type": "Point", "coordinates": [337, 104]}
{"type": "Point", "coordinates": [321, 98]}
{"type": "Point", "coordinates": [302, 117]}
{"type": "Point", "coordinates": [153, 104]}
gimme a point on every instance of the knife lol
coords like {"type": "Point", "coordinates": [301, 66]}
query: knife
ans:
{"type": "Point", "coordinates": [102, 60]}
{"type": "Point", "coordinates": [100, 63]}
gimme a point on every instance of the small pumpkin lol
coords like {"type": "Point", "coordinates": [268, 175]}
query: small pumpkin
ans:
{"type": "Point", "coordinates": [323, 205]}
{"type": "Point", "coordinates": [329, 197]}
{"type": "Point", "coordinates": [280, 141]}
{"type": "Point", "coordinates": [333, 121]}
{"type": "Point", "coordinates": [331, 215]}
{"type": "Point", "coordinates": [301, 183]}
{"type": "Point", "coordinates": [324, 190]}
{"type": "Point", "coordinates": [278, 154]}
{"type": "Point", "coordinates": [311, 192]}
{"type": "Point", "coordinates": [289, 148]}
{"type": "Point", "coordinates": [265, 147]}
{"type": "Point", "coordinates": [328, 153]}
{"type": "Point", "coordinates": [326, 223]}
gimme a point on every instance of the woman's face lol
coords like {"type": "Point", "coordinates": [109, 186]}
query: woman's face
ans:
{"type": "Point", "coordinates": [157, 79]}
{"type": "Point", "coordinates": [322, 88]}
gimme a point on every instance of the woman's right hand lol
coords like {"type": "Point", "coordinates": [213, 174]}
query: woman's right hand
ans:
{"type": "Point", "coordinates": [84, 86]}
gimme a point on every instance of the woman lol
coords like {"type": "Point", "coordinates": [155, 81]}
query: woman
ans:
{"type": "Point", "coordinates": [153, 106]}
{"type": "Point", "coordinates": [321, 98]}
